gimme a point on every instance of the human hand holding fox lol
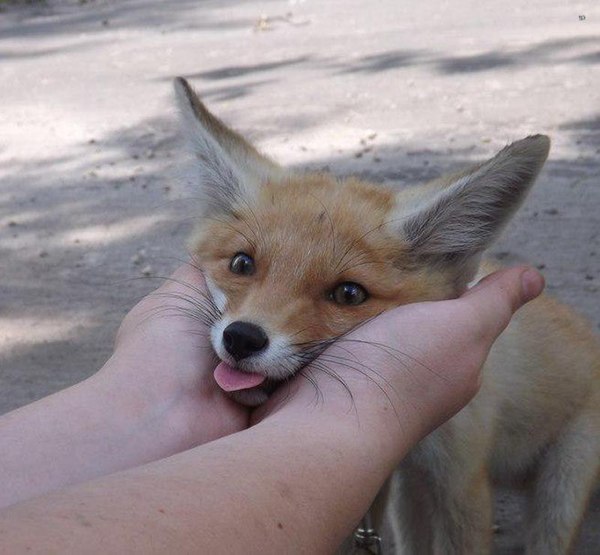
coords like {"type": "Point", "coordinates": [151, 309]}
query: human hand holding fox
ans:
{"type": "Point", "coordinates": [435, 371]}
{"type": "Point", "coordinates": [154, 397]}
{"type": "Point", "coordinates": [160, 381]}
{"type": "Point", "coordinates": [157, 395]}
{"type": "Point", "coordinates": [431, 375]}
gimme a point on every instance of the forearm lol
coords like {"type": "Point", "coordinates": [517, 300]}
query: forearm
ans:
{"type": "Point", "coordinates": [285, 485]}
{"type": "Point", "coordinates": [156, 396]}
{"type": "Point", "coordinates": [90, 429]}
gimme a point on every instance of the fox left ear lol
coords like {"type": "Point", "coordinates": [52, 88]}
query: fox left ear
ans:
{"type": "Point", "coordinates": [462, 219]}
{"type": "Point", "coordinates": [230, 170]}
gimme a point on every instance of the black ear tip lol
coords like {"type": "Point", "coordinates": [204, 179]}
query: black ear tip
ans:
{"type": "Point", "coordinates": [181, 82]}
{"type": "Point", "coordinates": [540, 141]}
{"type": "Point", "coordinates": [534, 148]}
{"type": "Point", "coordinates": [185, 94]}
{"type": "Point", "coordinates": [543, 141]}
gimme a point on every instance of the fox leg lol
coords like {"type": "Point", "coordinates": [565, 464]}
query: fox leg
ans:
{"type": "Point", "coordinates": [463, 514]}
{"type": "Point", "coordinates": [410, 511]}
{"type": "Point", "coordinates": [565, 480]}
{"type": "Point", "coordinates": [446, 505]}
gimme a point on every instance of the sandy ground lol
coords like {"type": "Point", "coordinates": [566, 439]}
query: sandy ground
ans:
{"type": "Point", "coordinates": [395, 91]}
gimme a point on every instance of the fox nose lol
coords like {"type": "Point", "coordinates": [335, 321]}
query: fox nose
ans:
{"type": "Point", "coordinates": [242, 339]}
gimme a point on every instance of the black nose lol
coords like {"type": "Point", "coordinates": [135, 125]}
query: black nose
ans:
{"type": "Point", "coordinates": [242, 339]}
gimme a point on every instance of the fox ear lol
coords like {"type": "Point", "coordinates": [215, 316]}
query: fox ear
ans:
{"type": "Point", "coordinates": [462, 219]}
{"type": "Point", "coordinates": [230, 169]}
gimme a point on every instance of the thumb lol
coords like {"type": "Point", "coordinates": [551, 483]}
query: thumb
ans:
{"type": "Point", "coordinates": [498, 296]}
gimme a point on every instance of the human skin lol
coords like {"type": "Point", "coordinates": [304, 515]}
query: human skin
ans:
{"type": "Point", "coordinates": [154, 397]}
{"type": "Point", "coordinates": [271, 488]}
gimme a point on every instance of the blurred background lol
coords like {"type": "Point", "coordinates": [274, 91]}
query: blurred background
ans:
{"type": "Point", "coordinates": [92, 210]}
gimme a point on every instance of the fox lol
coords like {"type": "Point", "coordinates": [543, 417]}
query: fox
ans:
{"type": "Point", "coordinates": [294, 260]}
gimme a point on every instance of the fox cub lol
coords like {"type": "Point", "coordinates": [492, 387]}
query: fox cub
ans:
{"type": "Point", "coordinates": [293, 260]}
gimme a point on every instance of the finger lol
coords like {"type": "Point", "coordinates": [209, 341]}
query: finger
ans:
{"type": "Point", "coordinates": [498, 296]}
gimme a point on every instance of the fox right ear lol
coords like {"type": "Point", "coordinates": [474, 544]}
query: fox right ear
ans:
{"type": "Point", "coordinates": [230, 170]}
{"type": "Point", "coordinates": [458, 222]}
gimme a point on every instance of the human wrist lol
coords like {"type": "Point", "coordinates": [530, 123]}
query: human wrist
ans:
{"type": "Point", "coordinates": [362, 420]}
{"type": "Point", "coordinates": [91, 429]}
{"type": "Point", "coordinates": [173, 408]}
{"type": "Point", "coordinates": [152, 411]}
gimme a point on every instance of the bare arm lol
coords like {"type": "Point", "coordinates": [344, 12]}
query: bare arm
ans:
{"type": "Point", "coordinates": [301, 477]}
{"type": "Point", "coordinates": [155, 397]}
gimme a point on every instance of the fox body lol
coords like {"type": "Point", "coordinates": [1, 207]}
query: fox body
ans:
{"type": "Point", "coordinates": [293, 261]}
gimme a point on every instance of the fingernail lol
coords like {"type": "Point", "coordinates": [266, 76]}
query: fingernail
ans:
{"type": "Point", "coordinates": [532, 284]}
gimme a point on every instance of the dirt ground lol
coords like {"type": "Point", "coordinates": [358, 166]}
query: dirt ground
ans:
{"type": "Point", "coordinates": [399, 92]}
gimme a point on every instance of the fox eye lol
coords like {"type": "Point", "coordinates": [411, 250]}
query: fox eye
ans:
{"type": "Point", "coordinates": [349, 293]}
{"type": "Point", "coordinates": [242, 264]}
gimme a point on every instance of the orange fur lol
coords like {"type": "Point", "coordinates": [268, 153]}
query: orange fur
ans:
{"type": "Point", "coordinates": [307, 235]}
{"type": "Point", "coordinates": [538, 411]}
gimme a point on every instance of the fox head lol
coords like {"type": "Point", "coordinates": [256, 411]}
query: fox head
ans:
{"type": "Point", "coordinates": [294, 260]}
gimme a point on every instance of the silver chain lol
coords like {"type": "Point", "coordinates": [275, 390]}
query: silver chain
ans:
{"type": "Point", "coordinates": [366, 537]}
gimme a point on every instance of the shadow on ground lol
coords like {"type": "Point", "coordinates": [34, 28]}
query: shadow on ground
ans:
{"type": "Point", "coordinates": [70, 19]}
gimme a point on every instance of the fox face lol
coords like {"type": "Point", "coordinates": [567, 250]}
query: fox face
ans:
{"type": "Point", "coordinates": [293, 261]}
{"type": "Point", "coordinates": [328, 265]}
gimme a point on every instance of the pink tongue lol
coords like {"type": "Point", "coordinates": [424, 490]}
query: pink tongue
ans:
{"type": "Point", "coordinates": [230, 379]}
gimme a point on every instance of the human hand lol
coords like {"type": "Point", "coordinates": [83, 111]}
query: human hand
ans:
{"type": "Point", "coordinates": [163, 358]}
{"type": "Point", "coordinates": [411, 368]}
{"type": "Point", "coordinates": [155, 397]}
